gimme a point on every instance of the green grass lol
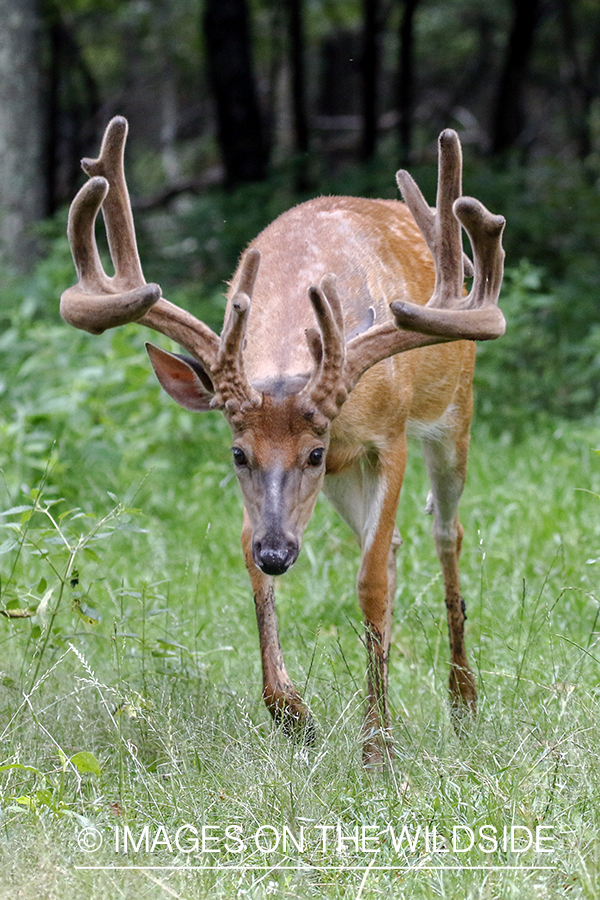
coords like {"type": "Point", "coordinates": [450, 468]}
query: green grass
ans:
{"type": "Point", "coordinates": [130, 693]}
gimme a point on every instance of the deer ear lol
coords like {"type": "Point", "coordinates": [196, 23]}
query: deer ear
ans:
{"type": "Point", "coordinates": [183, 379]}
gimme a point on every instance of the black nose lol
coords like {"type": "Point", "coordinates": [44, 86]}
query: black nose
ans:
{"type": "Point", "coordinates": [275, 558]}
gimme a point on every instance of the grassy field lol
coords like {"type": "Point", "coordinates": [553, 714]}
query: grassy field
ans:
{"type": "Point", "coordinates": [130, 675]}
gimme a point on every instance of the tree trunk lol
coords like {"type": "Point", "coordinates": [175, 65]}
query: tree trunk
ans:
{"type": "Point", "coordinates": [509, 112]}
{"type": "Point", "coordinates": [297, 50]}
{"type": "Point", "coordinates": [370, 80]}
{"type": "Point", "coordinates": [22, 200]}
{"type": "Point", "coordinates": [582, 77]}
{"type": "Point", "coordinates": [229, 55]}
{"type": "Point", "coordinates": [406, 80]}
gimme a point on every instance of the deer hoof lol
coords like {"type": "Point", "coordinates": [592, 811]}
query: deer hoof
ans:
{"type": "Point", "coordinates": [463, 699]}
{"type": "Point", "coordinates": [378, 751]}
{"type": "Point", "coordinates": [295, 721]}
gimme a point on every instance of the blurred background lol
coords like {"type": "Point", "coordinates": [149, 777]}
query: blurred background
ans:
{"type": "Point", "coordinates": [240, 108]}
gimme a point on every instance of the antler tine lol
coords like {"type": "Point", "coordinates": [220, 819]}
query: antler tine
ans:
{"type": "Point", "coordinates": [477, 316]}
{"type": "Point", "coordinates": [448, 314]}
{"type": "Point", "coordinates": [80, 231]}
{"type": "Point", "coordinates": [118, 217]}
{"type": "Point", "coordinates": [249, 272]}
{"type": "Point", "coordinates": [326, 388]}
{"type": "Point", "coordinates": [449, 273]}
{"type": "Point", "coordinates": [329, 288]}
{"type": "Point", "coordinates": [98, 302]}
{"type": "Point", "coordinates": [440, 227]}
{"type": "Point", "coordinates": [313, 335]}
{"type": "Point", "coordinates": [234, 390]}
{"type": "Point", "coordinates": [485, 234]}
{"type": "Point", "coordinates": [435, 224]}
{"type": "Point", "coordinates": [92, 304]}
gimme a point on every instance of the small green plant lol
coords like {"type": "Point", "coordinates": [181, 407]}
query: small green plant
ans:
{"type": "Point", "coordinates": [538, 370]}
{"type": "Point", "coordinates": [47, 550]}
{"type": "Point", "coordinates": [46, 795]}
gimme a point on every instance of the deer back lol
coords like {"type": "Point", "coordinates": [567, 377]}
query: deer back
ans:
{"type": "Point", "coordinates": [378, 254]}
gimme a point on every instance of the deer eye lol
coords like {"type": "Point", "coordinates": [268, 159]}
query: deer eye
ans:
{"type": "Point", "coordinates": [239, 457]}
{"type": "Point", "coordinates": [315, 457]}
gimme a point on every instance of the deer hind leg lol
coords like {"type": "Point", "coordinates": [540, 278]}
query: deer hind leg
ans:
{"type": "Point", "coordinates": [366, 496]}
{"type": "Point", "coordinates": [446, 460]}
{"type": "Point", "coordinates": [281, 697]}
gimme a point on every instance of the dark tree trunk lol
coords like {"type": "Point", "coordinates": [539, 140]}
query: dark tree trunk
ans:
{"type": "Point", "coordinates": [52, 114]}
{"type": "Point", "coordinates": [21, 131]}
{"type": "Point", "coordinates": [71, 101]}
{"type": "Point", "coordinates": [370, 80]}
{"type": "Point", "coordinates": [406, 80]}
{"type": "Point", "coordinates": [509, 110]}
{"type": "Point", "coordinates": [297, 51]}
{"type": "Point", "coordinates": [582, 81]}
{"type": "Point", "coordinates": [229, 55]}
{"type": "Point", "coordinates": [474, 79]}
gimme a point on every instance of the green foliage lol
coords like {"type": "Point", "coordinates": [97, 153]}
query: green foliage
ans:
{"type": "Point", "coordinates": [535, 371]}
{"type": "Point", "coordinates": [130, 680]}
{"type": "Point", "coordinates": [552, 212]}
{"type": "Point", "coordinates": [549, 361]}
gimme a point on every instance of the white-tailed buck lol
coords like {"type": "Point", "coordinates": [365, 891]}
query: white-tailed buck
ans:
{"type": "Point", "coordinates": [313, 376]}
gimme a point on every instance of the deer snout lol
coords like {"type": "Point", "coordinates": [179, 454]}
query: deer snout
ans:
{"type": "Point", "coordinates": [274, 555]}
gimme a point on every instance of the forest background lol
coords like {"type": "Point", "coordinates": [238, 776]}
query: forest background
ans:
{"type": "Point", "coordinates": [239, 109]}
{"type": "Point", "coordinates": [129, 667]}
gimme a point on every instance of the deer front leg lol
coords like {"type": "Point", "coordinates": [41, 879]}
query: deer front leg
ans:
{"type": "Point", "coordinates": [462, 686]}
{"type": "Point", "coordinates": [447, 461]}
{"type": "Point", "coordinates": [376, 586]}
{"type": "Point", "coordinates": [366, 496]}
{"type": "Point", "coordinates": [281, 697]}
